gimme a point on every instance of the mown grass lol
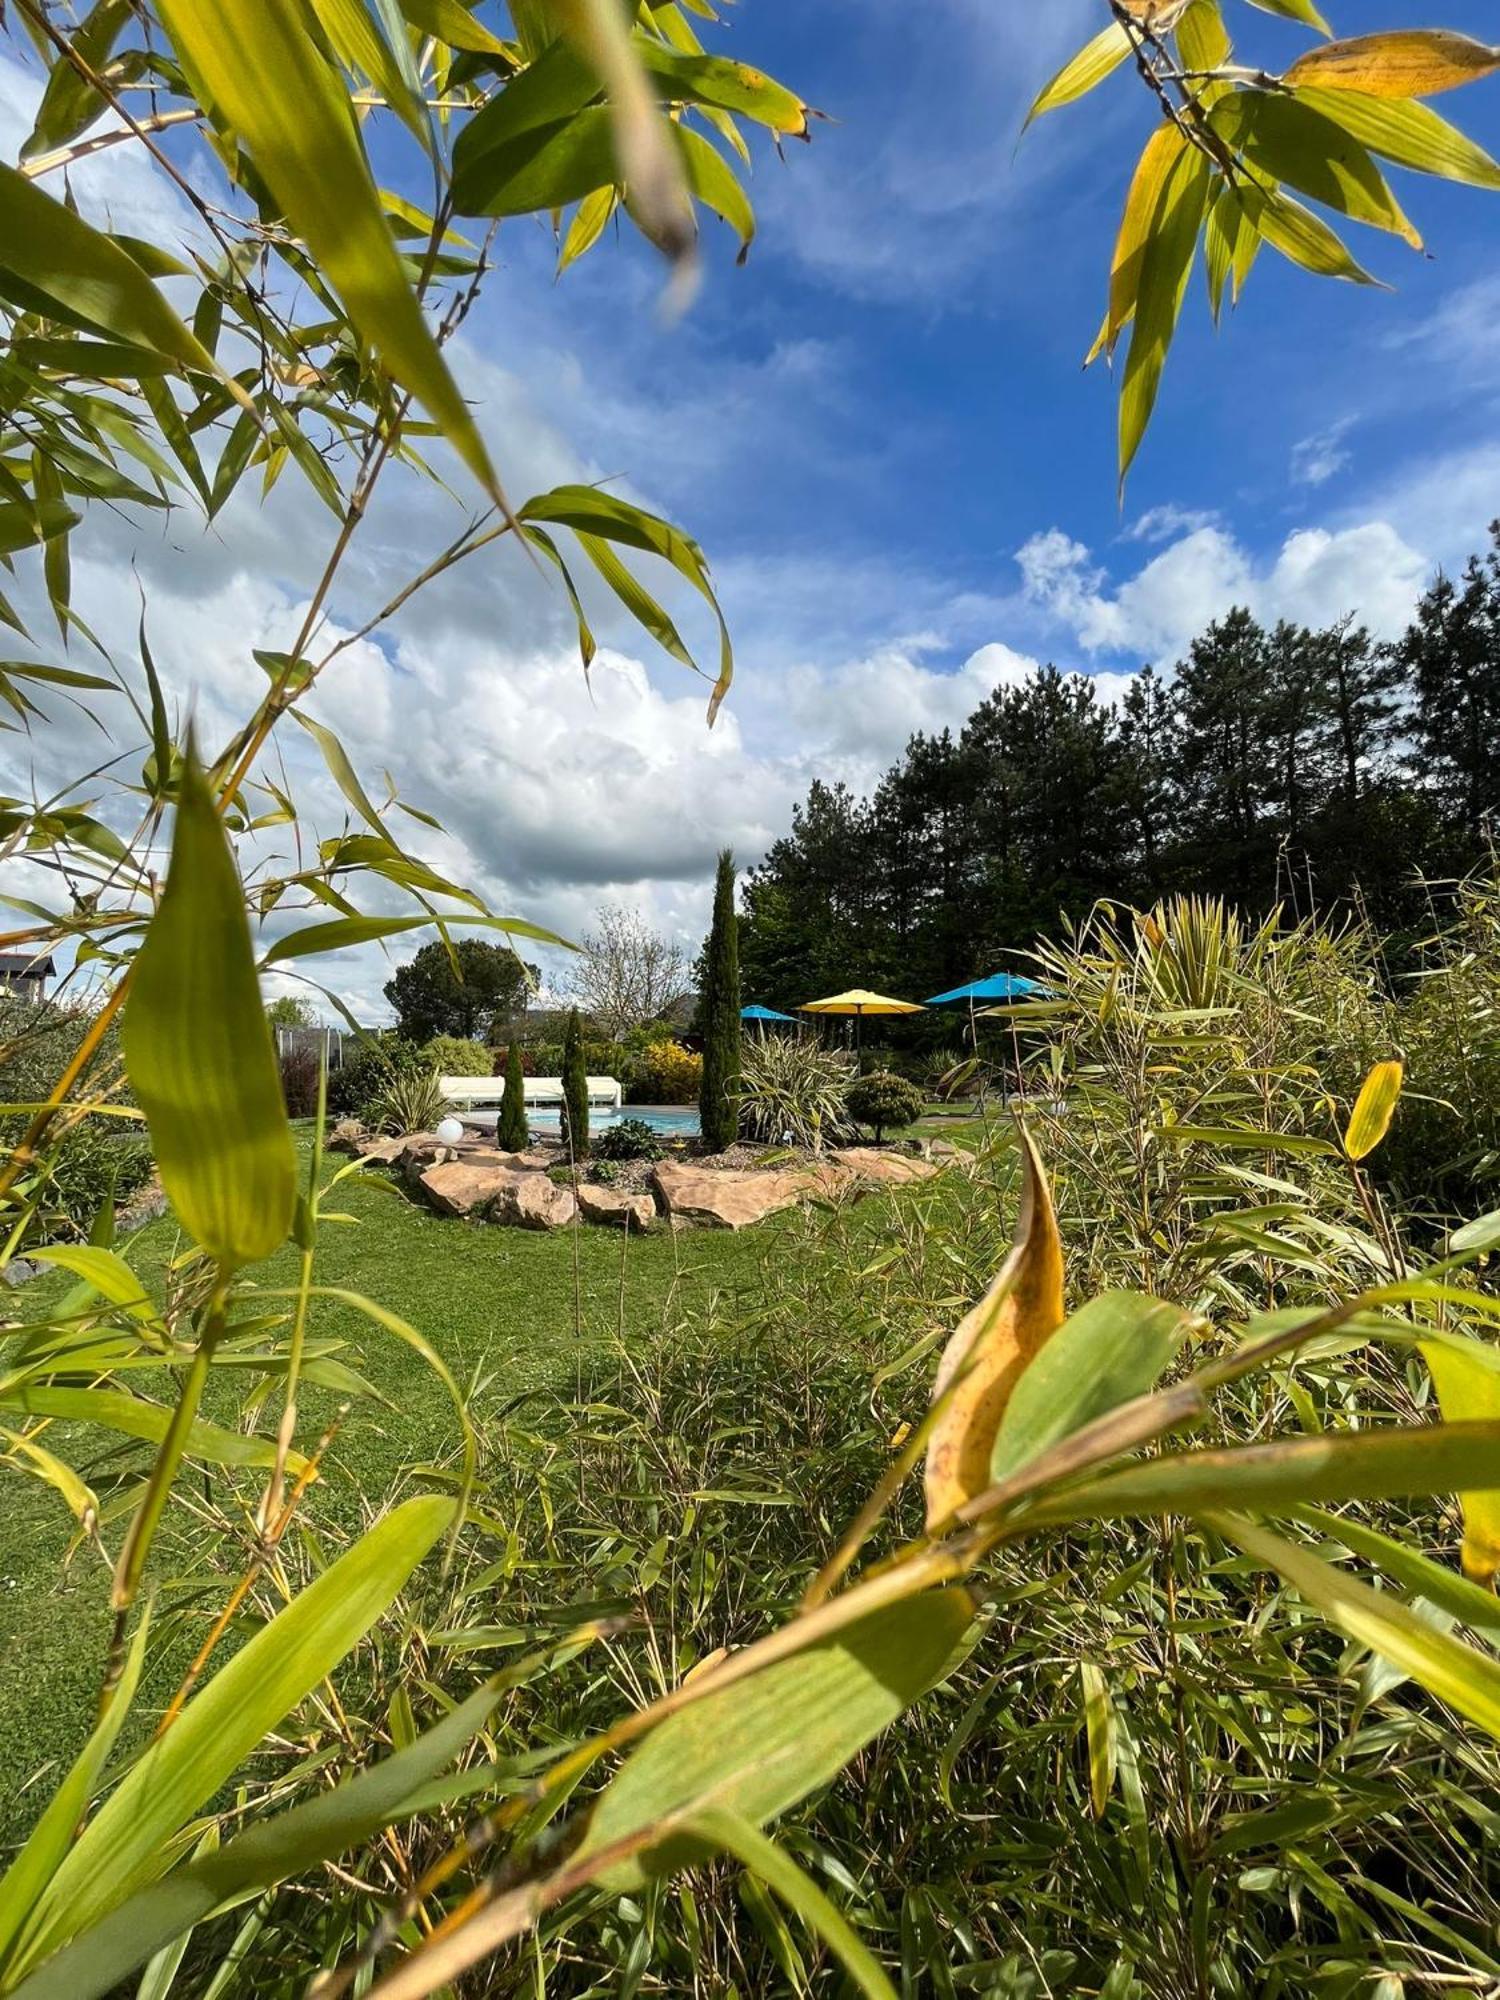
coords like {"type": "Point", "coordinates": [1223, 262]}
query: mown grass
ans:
{"type": "Point", "coordinates": [512, 1314]}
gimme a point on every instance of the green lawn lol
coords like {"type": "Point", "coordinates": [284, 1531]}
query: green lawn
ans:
{"type": "Point", "coordinates": [511, 1312]}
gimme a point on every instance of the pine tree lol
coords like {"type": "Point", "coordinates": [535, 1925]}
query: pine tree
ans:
{"type": "Point", "coordinates": [575, 1083]}
{"type": "Point", "coordinates": [719, 1012]}
{"type": "Point", "coordinates": [513, 1134]}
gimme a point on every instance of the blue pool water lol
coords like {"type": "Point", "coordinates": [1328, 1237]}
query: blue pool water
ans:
{"type": "Point", "coordinates": [673, 1121]}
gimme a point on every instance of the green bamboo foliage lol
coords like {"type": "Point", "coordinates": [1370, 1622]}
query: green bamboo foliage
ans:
{"type": "Point", "coordinates": [719, 1011]}
{"type": "Point", "coordinates": [513, 1134]}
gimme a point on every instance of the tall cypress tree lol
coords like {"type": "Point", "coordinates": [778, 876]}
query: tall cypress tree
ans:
{"type": "Point", "coordinates": [575, 1083]}
{"type": "Point", "coordinates": [513, 1134]}
{"type": "Point", "coordinates": [719, 1012]}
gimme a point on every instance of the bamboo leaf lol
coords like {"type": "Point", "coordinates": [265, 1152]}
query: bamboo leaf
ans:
{"type": "Point", "coordinates": [451, 22]}
{"type": "Point", "coordinates": [714, 182]}
{"type": "Point", "coordinates": [282, 1845]}
{"type": "Point", "coordinates": [1406, 62]}
{"type": "Point", "coordinates": [1374, 1109]}
{"type": "Point", "coordinates": [1162, 153]}
{"type": "Point", "coordinates": [38, 1861]}
{"type": "Point", "coordinates": [1305, 238]}
{"type": "Point", "coordinates": [130, 1842]}
{"type": "Point", "coordinates": [199, 1053]}
{"type": "Point", "coordinates": [1295, 10]}
{"type": "Point", "coordinates": [1387, 1464]}
{"type": "Point", "coordinates": [1114, 1348]}
{"type": "Point", "coordinates": [1466, 1375]}
{"type": "Point", "coordinates": [115, 1410]}
{"type": "Point", "coordinates": [1409, 134]}
{"type": "Point", "coordinates": [1467, 1680]}
{"type": "Point", "coordinates": [1096, 60]}
{"type": "Point", "coordinates": [1165, 266]}
{"type": "Point", "coordinates": [105, 1273]}
{"type": "Point", "coordinates": [992, 1345]}
{"type": "Point", "coordinates": [341, 933]}
{"type": "Point", "coordinates": [1099, 1727]}
{"type": "Point", "coordinates": [731, 1834]}
{"type": "Point", "coordinates": [766, 1741]}
{"type": "Point", "coordinates": [1287, 139]}
{"type": "Point", "coordinates": [255, 63]}
{"type": "Point", "coordinates": [1466, 1601]}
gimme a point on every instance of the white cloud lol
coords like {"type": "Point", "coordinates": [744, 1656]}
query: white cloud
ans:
{"type": "Point", "coordinates": [1317, 459]}
{"type": "Point", "coordinates": [1316, 576]}
{"type": "Point", "coordinates": [1162, 524]}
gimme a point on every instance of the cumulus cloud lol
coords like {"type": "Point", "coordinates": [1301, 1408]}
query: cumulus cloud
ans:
{"type": "Point", "coordinates": [1316, 576]}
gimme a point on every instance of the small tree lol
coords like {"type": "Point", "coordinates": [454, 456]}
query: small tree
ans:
{"type": "Point", "coordinates": [719, 1011]}
{"type": "Point", "coordinates": [513, 1134]}
{"type": "Point", "coordinates": [575, 1083]}
{"type": "Point", "coordinates": [291, 1010]}
{"type": "Point", "coordinates": [627, 974]}
{"type": "Point", "coordinates": [882, 1098]}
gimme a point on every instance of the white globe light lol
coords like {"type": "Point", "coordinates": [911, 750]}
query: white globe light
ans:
{"type": "Point", "coordinates": [449, 1131]}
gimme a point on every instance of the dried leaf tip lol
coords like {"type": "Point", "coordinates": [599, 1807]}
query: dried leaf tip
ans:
{"type": "Point", "coordinates": [992, 1346]}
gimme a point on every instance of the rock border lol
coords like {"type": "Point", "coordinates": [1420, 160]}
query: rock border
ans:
{"type": "Point", "coordinates": [476, 1182]}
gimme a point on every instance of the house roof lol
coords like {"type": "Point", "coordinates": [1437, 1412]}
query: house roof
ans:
{"type": "Point", "coordinates": [22, 965]}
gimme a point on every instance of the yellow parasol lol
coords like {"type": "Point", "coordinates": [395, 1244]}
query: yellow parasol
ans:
{"type": "Point", "coordinates": [858, 1002]}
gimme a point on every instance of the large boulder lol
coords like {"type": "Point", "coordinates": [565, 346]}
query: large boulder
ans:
{"type": "Point", "coordinates": [531, 1201]}
{"type": "Point", "coordinates": [869, 1163]}
{"type": "Point", "coordinates": [384, 1152]}
{"type": "Point", "coordinates": [614, 1207]}
{"type": "Point", "coordinates": [466, 1187]}
{"type": "Point", "coordinates": [732, 1199]}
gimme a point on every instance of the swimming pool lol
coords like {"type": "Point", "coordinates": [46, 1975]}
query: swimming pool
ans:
{"type": "Point", "coordinates": [673, 1121]}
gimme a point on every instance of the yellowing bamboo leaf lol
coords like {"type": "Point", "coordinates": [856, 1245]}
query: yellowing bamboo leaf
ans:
{"type": "Point", "coordinates": [1466, 1375]}
{"type": "Point", "coordinates": [766, 1741]}
{"type": "Point", "coordinates": [983, 1361]}
{"type": "Point", "coordinates": [256, 64]}
{"type": "Point", "coordinates": [1166, 264]}
{"type": "Point", "coordinates": [1295, 10]}
{"type": "Point", "coordinates": [1203, 43]}
{"type": "Point", "coordinates": [1099, 1726]}
{"type": "Point", "coordinates": [451, 22]}
{"type": "Point", "coordinates": [1410, 134]}
{"type": "Point", "coordinates": [1407, 62]}
{"type": "Point", "coordinates": [199, 1053]}
{"type": "Point", "coordinates": [1374, 1109]}
{"type": "Point", "coordinates": [1096, 60]}
{"type": "Point", "coordinates": [588, 225]}
{"type": "Point", "coordinates": [1305, 238]}
{"type": "Point", "coordinates": [1288, 140]}
{"type": "Point", "coordinates": [1162, 153]}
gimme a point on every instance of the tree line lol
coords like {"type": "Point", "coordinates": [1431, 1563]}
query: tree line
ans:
{"type": "Point", "coordinates": [1318, 768]}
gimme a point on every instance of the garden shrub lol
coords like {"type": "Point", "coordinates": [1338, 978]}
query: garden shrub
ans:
{"type": "Point", "coordinates": [667, 1074]}
{"type": "Point", "coordinates": [631, 1139]}
{"type": "Point", "coordinates": [299, 1066]}
{"type": "Point", "coordinates": [884, 1099]}
{"type": "Point", "coordinates": [411, 1100]}
{"type": "Point", "coordinates": [96, 1155]}
{"type": "Point", "coordinates": [451, 1055]}
{"type": "Point", "coordinates": [793, 1089]}
{"type": "Point", "coordinates": [368, 1066]}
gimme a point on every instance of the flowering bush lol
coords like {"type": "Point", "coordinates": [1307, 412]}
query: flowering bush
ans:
{"type": "Point", "coordinates": [666, 1073]}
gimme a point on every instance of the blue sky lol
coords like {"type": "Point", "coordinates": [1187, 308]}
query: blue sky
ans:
{"type": "Point", "coordinates": [880, 431]}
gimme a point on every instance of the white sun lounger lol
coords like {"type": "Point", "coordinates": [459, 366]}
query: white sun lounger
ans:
{"type": "Point", "coordinates": [542, 1092]}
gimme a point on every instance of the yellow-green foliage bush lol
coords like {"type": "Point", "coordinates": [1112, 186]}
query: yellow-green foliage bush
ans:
{"type": "Point", "coordinates": [667, 1073]}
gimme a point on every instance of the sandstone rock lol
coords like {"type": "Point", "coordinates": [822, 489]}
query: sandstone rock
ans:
{"type": "Point", "coordinates": [531, 1201]}
{"type": "Point", "coordinates": [734, 1200]}
{"type": "Point", "coordinates": [614, 1206]}
{"type": "Point", "coordinates": [457, 1187]}
{"type": "Point", "coordinates": [384, 1152]}
{"type": "Point", "coordinates": [895, 1169]}
{"type": "Point", "coordinates": [345, 1136]}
